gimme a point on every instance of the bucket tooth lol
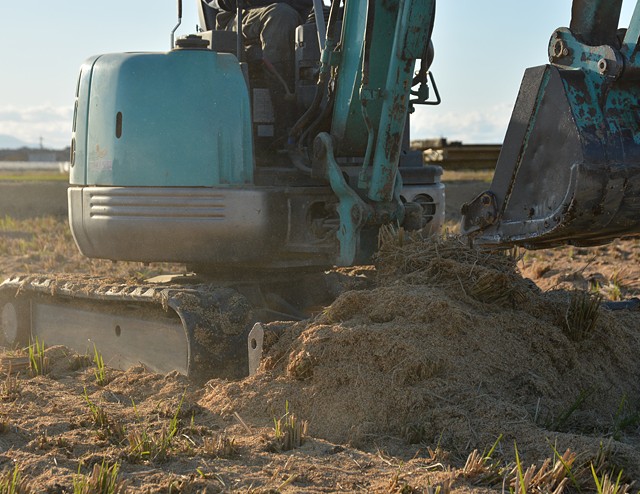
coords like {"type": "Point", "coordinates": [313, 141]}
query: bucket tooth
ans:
{"type": "Point", "coordinates": [569, 169]}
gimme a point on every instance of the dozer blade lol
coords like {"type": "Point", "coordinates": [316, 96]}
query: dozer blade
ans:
{"type": "Point", "coordinates": [569, 170]}
{"type": "Point", "coordinates": [201, 331]}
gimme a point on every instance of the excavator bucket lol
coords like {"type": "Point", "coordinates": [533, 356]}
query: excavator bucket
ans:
{"type": "Point", "coordinates": [569, 169]}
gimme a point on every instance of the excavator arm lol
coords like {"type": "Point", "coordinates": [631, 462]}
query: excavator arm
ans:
{"type": "Point", "coordinates": [569, 169]}
{"type": "Point", "coordinates": [374, 66]}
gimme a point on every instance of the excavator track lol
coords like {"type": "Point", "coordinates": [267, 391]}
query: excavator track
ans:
{"type": "Point", "coordinates": [200, 330]}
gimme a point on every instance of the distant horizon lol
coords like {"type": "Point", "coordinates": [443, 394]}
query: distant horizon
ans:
{"type": "Point", "coordinates": [30, 148]}
{"type": "Point", "coordinates": [12, 142]}
{"type": "Point", "coordinates": [36, 147]}
{"type": "Point", "coordinates": [33, 148]}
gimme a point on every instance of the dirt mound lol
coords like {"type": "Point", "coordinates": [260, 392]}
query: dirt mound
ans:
{"type": "Point", "coordinates": [452, 347]}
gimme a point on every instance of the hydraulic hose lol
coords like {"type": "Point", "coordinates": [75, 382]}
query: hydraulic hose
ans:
{"type": "Point", "coordinates": [239, 44]}
{"type": "Point", "coordinates": [323, 76]}
{"type": "Point", "coordinates": [368, 38]}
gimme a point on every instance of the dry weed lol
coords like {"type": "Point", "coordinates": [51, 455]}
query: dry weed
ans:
{"type": "Point", "coordinates": [11, 387]}
{"type": "Point", "coordinates": [220, 446]}
{"type": "Point", "coordinates": [582, 314]}
{"type": "Point", "coordinates": [481, 468]}
{"type": "Point", "coordinates": [489, 277]}
{"type": "Point", "coordinates": [301, 366]}
{"type": "Point", "coordinates": [290, 431]}
{"type": "Point", "coordinates": [442, 487]}
{"type": "Point", "coordinates": [551, 476]}
{"type": "Point", "coordinates": [398, 485]}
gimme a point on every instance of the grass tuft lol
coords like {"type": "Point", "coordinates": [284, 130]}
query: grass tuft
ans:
{"type": "Point", "coordinates": [606, 485]}
{"type": "Point", "coordinates": [551, 476]}
{"type": "Point", "coordinates": [103, 479]}
{"type": "Point", "coordinates": [582, 314]}
{"type": "Point", "coordinates": [562, 421]}
{"type": "Point", "coordinates": [290, 432]}
{"type": "Point", "coordinates": [98, 414]}
{"type": "Point", "coordinates": [146, 446]}
{"type": "Point", "coordinates": [38, 361]}
{"type": "Point", "coordinates": [11, 482]}
{"type": "Point", "coordinates": [100, 370]}
{"type": "Point", "coordinates": [109, 428]}
{"type": "Point", "coordinates": [626, 416]}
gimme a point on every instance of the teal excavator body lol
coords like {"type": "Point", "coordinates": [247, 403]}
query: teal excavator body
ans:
{"type": "Point", "coordinates": [178, 157]}
{"type": "Point", "coordinates": [169, 160]}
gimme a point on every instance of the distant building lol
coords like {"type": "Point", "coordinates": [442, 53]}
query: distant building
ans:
{"type": "Point", "coordinates": [31, 155]}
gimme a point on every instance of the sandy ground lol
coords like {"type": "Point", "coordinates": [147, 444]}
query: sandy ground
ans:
{"type": "Point", "coordinates": [445, 351]}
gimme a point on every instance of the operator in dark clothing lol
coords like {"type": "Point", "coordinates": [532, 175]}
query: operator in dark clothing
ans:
{"type": "Point", "coordinates": [270, 22]}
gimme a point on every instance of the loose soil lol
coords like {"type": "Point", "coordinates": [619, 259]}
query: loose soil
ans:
{"type": "Point", "coordinates": [442, 351]}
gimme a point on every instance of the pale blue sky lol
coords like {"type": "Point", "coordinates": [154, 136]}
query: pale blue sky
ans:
{"type": "Point", "coordinates": [482, 49]}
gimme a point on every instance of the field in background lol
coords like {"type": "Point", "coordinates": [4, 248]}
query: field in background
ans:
{"type": "Point", "coordinates": [33, 176]}
{"type": "Point", "coordinates": [52, 175]}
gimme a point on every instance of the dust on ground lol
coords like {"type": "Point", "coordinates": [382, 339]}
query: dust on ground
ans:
{"type": "Point", "coordinates": [451, 350]}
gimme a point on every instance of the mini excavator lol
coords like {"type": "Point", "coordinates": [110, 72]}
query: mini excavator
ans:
{"type": "Point", "coordinates": [178, 157]}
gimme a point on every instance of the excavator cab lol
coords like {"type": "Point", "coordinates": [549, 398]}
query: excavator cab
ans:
{"type": "Point", "coordinates": [569, 169]}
